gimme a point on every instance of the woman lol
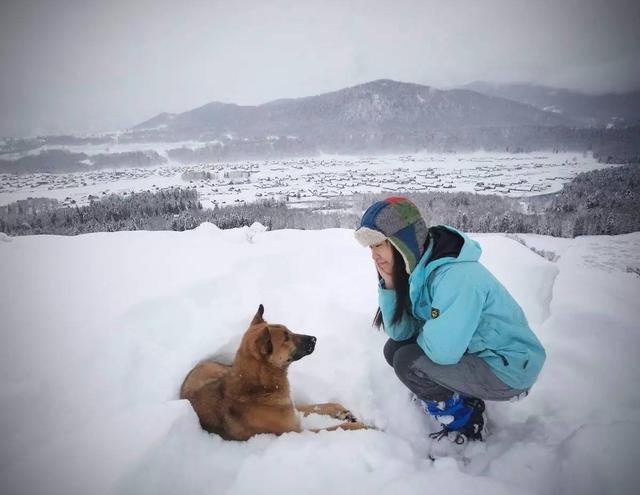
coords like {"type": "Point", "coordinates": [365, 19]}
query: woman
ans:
{"type": "Point", "coordinates": [457, 337]}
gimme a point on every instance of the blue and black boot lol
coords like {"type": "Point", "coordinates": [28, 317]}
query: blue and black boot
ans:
{"type": "Point", "coordinates": [461, 418]}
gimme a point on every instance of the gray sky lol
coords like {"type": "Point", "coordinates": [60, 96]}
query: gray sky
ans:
{"type": "Point", "coordinates": [86, 65]}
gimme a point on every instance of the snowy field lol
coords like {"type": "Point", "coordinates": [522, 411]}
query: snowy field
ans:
{"type": "Point", "coordinates": [99, 330]}
{"type": "Point", "coordinates": [315, 179]}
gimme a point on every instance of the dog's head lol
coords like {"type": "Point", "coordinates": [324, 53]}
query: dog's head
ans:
{"type": "Point", "coordinates": [275, 344]}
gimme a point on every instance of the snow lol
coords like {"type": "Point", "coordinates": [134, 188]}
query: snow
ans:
{"type": "Point", "coordinates": [99, 330]}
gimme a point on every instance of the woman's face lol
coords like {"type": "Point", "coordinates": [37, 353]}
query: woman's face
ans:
{"type": "Point", "coordinates": [382, 255]}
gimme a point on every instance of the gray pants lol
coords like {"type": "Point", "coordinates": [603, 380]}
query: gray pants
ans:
{"type": "Point", "coordinates": [471, 376]}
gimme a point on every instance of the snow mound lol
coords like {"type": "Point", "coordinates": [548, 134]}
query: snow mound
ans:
{"type": "Point", "coordinates": [207, 228]}
{"type": "Point", "coordinates": [99, 330]}
{"type": "Point", "coordinates": [528, 276]}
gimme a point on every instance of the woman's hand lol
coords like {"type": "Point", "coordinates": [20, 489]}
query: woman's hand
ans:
{"type": "Point", "coordinates": [387, 277]}
{"type": "Point", "coordinates": [382, 255]}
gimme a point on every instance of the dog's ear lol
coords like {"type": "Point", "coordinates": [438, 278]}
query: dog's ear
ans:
{"type": "Point", "coordinates": [258, 316]}
{"type": "Point", "coordinates": [263, 342]}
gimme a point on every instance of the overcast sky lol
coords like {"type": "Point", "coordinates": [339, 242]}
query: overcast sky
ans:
{"type": "Point", "coordinates": [85, 65]}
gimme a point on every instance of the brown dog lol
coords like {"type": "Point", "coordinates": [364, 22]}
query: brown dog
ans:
{"type": "Point", "coordinates": [252, 395]}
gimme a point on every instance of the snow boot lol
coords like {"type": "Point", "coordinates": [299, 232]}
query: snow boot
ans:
{"type": "Point", "coordinates": [462, 420]}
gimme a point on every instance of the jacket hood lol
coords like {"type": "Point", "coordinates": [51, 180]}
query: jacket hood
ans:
{"type": "Point", "coordinates": [446, 245]}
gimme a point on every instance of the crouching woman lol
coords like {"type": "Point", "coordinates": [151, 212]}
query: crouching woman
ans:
{"type": "Point", "coordinates": [457, 337]}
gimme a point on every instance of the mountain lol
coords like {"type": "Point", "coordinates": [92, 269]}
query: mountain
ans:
{"type": "Point", "coordinates": [381, 106]}
{"type": "Point", "coordinates": [590, 110]}
{"type": "Point", "coordinates": [160, 121]}
{"type": "Point", "coordinates": [382, 116]}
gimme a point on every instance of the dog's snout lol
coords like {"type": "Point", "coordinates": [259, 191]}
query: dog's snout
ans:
{"type": "Point", "coordinates": [308, 344]}
{"type": "Point", "coordinates": [304, 346]}
{"type": "Point", "coordinates": [311, 344]}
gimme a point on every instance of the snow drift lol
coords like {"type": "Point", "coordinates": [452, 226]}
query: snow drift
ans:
{"type": "Point", "coordinates": [99, 330]}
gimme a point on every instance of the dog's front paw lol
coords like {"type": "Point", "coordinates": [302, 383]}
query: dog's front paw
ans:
{"type": "Point", "coordinates": [355, 425]}
{"type": "Point", "coordinates": [338, 411]}
{"type": "Point", "coordinates": [346, 415]}
{"type": "Point", "coordinates": [333, 409]}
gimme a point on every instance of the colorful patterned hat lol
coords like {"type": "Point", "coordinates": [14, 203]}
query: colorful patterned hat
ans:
{"type": "Point", "coordinates": [398, 220]}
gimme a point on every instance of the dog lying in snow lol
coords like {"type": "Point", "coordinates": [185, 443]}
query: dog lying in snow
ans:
{"type": "Point", "coordinates": [252, 395]}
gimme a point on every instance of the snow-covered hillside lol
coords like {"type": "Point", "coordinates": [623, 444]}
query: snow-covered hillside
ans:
{"type": "Point", "coordinates": [98, 331]}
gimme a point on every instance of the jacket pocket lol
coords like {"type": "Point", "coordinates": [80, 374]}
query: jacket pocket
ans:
{"type": "Point", "coordinates": [504, 359]}
{"type": "Point", "coordinates": [515, 358]}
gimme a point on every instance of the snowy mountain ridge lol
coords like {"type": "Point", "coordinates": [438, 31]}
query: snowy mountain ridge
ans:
{"type": "Point", "coordinates": [590, 110]}
{"type": "Point", "coordinates": [377, 106]}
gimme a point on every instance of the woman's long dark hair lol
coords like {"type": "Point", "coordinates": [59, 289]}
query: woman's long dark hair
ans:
{"type": "Point", "coordinates": [400, 279]}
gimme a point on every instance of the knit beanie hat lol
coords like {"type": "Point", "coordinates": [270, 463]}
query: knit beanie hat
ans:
{"type": "Point", "coordinates": [398, 220]}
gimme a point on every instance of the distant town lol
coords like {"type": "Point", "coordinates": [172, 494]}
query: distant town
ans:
{"type": "Point", "coordinates": [314, 179]}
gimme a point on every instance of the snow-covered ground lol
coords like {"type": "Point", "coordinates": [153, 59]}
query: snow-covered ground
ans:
{"type": "Point", "coordinates": [99, 330]}
{"type": "Point", "coordinates": [305, 180]}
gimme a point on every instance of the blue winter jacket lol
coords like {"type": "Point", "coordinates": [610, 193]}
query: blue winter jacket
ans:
{"type": "Point", "coordinates": [458, 307]}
